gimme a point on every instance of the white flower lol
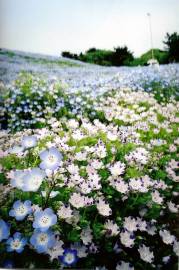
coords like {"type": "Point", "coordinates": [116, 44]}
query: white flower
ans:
{"type": "Point", "coordinates": [135, 184]}
{"type": "Point", "coordinates": [77, 200]}
{"type": "Point", "coordinates": [117, 169]}
{"type": "Point", "coordinates": [86, 236]}
{"type": "Point", "coordinates": [74, 219]}
{"type": "Point", "coordinates": [80, 156]}
{"type": "Point", "coordinates": [85, 188]}
{"type": "Point", "coordinates": [124, 266]}
{"type": "Point", "coordinates": [127, 239]}
{"type": "Point", "coordinates": [119, 185]}
{"type": "Point", "coordinates": [72, 123]}
{"type": "Point", "coordinates": [100, 150]}
{"type": "Point", "coordinates": [140, 156]}
{"type": "Point", "coordinates": [82, 250]}
{"type": "Point", "coordinates": [73, 169]}
{"type": "Point", "coordinates": [176, 248]}
{"type": "Point", "coordinates": [151, 230]}
{"type": "Point", "coordinates": [111, 136]}
{"type": "Point", "coordinates": [103, 208]}
{"type": "Point", "coordinates": [96, 164]}
{"type": "Point", "coordinates": [156, 197]}
{"type": "Point", "coordinates": [167, 237]}
{"type": "Point", "coordinates": [142, 224]}
{"type": "Point", "coordinates": [145, 254]}
{"type": "Point", "coordinates": [56, 250]}
{"type": "Point", "coordinates": [172, 207]}
{"type": "Point", "coordinates": [77, 135]}
{"type": "Point", "coordinates": [111, 228]}
{"type": "Point", "coordinates": [94, 181]}
{"type": "Point", "coordinates": [130, 224]}
{"type": "Point", "coordinates": [64, 212]}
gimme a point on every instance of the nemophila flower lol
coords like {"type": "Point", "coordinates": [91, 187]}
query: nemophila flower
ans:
{"type": "Point", "coordinates": [124, 266]}
{"type": "Point", "coordinates": [69, 257]}
{"type": "Point", "coordinates": [145, 254]}
{"type": "Point", "coordinates": [64, 212]}
{"type": "Point", "coordinates": [86, 236]}
{"type": "Point", "coordinates": [166, 259]}
{"type": "Point", "coordinates": [130, 224]}
{"type": "Point", "coordinates": [127, 239]}
{"type": "Point", "coordinates": [77, 200]}
{"type": "Point", "coordinates": [56, 250]}
{"type": "Point", "coordinates": [72, 123]}
{"type": "Point", "coordinates": [29, 141]}
{"type": "Point", "coordinates": [73, 169]}
{"type": "Point", "coordinates": [140, 156]}
{"type": "Point", "coordinates": [82, 250]}
{"type": "Point", "coordinates": [120, 185]}
{"type": "Point", "coordinates": [17, 180]}
{"type": "Point", "coordinates": [111, 228]}
{"type": "Point", "coordinates": [156, 197]}
{"type": "Point", "coordinates": [103, 208]}
{"type": "Point", "coordinates": [43, 220]}
{"type": "Point", "coordinates": [20, 210]}
{"type": "Point", "coordinates": [17, 149]}
{"type": "Point", "coordinates": [16, 243]}
{"type": "Point", "coordinates": [100, 150]}
{"type": "Point", "coordinates": [50, 159]}
{"type": "Point", "coordinates": [142, 224]}
{"type": "Point", "coordinates": [33, 179]}
{"type": "Point", "coordinates": [172, 207]}
{"type": "Point", "coordinates": [117, 168]}
{"type": "Point", "coordinates": [4, 230]}
{"type": "Point", "coordinates": [176, 248]}
{"type": "Point", "coordinates": [42, 241]}
{"type": "Point", "coordinates": [167, 237]}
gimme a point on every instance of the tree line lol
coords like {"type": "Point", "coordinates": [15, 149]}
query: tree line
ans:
{"type": "Point", "coordinates": [122, 56]}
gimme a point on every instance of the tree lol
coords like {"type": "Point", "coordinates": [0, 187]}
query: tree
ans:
{"type": "Point", "coordinates": [121, 56]}
{"type": "Point", "coordinates": [67, 54]}
{"type": "Point", "coordinates": [172, 44]}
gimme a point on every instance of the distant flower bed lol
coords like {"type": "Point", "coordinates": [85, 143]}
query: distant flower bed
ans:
{"type": "Point", "coordinates": [92, 183]}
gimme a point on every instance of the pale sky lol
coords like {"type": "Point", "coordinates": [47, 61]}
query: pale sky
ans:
{"type": "Point", "coordinates": [52, 26]}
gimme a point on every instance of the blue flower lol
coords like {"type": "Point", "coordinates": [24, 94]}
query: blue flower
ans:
{"type": "Point", "coordinates": [20, 210]}
{"type": "Point", "coordinates": [29, 141]}
{"type": "Point", "coordinates": [42, 241]}
{"type": "Point", "coordinates": [4, 230]}
{"type": "Point", "coordinates": [33, 179]}
{"type": "Point", "coordinates": [69, 257]}
{"type": "Point", "coordinates": [17, 180]}
{"type": "Point", "coordinates": [50, 159]}
{"type": "Point", "coordinates": [44, 219]}
{"type": "Point", "coordinates": [16, 243]}
{"type": "Point", "coordinates": [16, 149]}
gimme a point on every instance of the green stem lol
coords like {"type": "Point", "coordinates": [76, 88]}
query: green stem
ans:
{"type": "Point", "coordinates": [48, 194]}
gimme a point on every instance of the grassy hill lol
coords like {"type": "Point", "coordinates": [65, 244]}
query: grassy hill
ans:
{"type": "Point", "coordinates": [160, 55]}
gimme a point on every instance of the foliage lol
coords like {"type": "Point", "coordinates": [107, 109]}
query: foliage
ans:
{"type": "Point", "coordinates": [118, 57]}
{"type": "Point", "coordinates": [172, 45]}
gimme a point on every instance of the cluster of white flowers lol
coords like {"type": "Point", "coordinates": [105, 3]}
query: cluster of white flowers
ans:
{"type": "Point", "coordinates": [171, 169]}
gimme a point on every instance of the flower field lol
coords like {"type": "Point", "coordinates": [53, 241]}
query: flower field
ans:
{"type": "Point", "coordinates": [89, 169]}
